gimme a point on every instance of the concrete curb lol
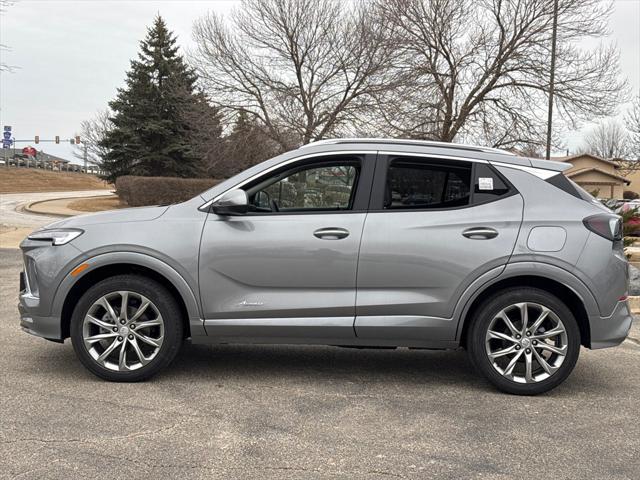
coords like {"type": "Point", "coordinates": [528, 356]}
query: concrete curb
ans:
{"type": "Point", "coordinates": [27, 207]}
{"type": "Point", "coordinates": [71, 213]}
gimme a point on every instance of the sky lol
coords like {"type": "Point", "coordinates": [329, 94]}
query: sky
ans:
{"type": "Point", "coordinates": [71, 56]}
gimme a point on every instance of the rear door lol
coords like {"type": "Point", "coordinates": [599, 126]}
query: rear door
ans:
{"type": "Point", "coordinates": [434, 227]}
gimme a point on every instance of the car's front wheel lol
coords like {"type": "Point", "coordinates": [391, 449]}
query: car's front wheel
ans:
{"type": "Point", "coordinates": [525, 341]}
{"type": "Point", "coordinates": [126, 328]}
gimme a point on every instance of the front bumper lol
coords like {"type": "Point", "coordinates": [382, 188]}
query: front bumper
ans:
{"type": "Point", "coordinates": [611, 331]}
{"type": "Point", "coordinates": [46, 327]}
{"type": "Point", "coordinates": [45, 266]}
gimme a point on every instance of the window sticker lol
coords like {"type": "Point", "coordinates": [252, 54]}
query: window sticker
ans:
{"type": "Point", "coordinates": [485, 183]}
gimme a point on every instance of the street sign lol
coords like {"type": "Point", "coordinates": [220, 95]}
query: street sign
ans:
{"type": "Point", "coordinates": [6, 137]}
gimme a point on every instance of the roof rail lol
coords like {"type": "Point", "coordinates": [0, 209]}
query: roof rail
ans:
{"type": "Point", "coordinates": [405, 141]}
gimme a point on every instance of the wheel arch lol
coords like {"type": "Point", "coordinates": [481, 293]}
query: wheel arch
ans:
{"type": "Point", "coordinates": [108, 265]}
{"type": "Point", "coordinates": [568, 289]}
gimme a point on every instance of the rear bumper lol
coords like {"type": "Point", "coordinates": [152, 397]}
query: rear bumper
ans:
{"type": "Point", "coordinates": [611, 331]}
{"type": "Point", "coordinates": [45, 327]}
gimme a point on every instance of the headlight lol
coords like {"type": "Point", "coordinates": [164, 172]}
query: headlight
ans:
{"type": "Point", "coordinates": [58, 236]}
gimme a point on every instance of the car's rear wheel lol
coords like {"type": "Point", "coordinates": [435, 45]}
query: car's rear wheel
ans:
{"type": "Point", "coordinates": [525, 341]}
{"type": "Point", "coordinates": [126, 328]}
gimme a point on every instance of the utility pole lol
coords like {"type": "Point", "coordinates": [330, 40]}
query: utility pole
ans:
{"type": "Point", "coordinates": [84, 155]}
{"type": "Point", "coordinates": [552, 77]}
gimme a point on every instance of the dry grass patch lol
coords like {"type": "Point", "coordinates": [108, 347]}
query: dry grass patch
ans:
{"type": "Point", "coordinates": [96, 204]}
{"type": "Point", "coordinates": [21, 180]}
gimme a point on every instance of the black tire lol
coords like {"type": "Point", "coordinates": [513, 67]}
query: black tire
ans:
{"type": "Point", "coordinates": [161, 298]}
{"type": "Point", "coordinates": [477, 349]}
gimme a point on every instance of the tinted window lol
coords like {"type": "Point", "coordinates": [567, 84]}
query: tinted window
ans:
{"type": "Point", "coordinates": [427, 185]}
{"type": "Point", "coordinates": [315, 187]}
{"type": "Point", "coordinates": [487, 185]}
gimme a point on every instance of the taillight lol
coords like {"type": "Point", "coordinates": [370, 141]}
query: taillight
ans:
{"type": "Point", "coordinates": [605, 225]}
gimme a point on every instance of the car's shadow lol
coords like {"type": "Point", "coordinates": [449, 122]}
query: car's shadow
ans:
{"type": "Point", "coordinates": [321, 366]}
{"type": "Point", "coordinates": [323, 362]}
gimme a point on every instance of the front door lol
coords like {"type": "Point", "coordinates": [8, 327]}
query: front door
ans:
{"type": "Point", "coordinates": [287, 269]}
{"type": "Point", "coordinates": [438, 225]}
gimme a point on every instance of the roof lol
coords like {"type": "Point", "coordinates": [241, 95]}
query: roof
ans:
{"type": "Point", "coordinates": [580, 171]}
{"type": "Point", "coordinates": [580, 155]}
{"type": "Point", "coordinates": [426, 148]}
{"type": "Point", "coordinates": [408, 141]}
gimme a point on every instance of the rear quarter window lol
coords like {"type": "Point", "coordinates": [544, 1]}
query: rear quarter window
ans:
{"type": "Point", "coordinates": [489, 185]}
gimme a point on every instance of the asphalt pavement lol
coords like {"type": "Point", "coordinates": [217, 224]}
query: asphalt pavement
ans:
{"type": "Point", "coordinates": [307, 412]}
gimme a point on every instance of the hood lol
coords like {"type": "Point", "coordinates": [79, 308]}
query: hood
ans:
{"type": "Point", "coordinates": [139, 214]}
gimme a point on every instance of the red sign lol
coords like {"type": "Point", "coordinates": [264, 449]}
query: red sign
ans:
{"type": "Point", "coordinates": [29, 151]}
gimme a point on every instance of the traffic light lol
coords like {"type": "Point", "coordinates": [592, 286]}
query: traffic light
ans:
{"type": "Point", "coordinates": [57, 139]}
{"type": "Point", "coordinates": [77, 139]}
{"type": "Point", "coordinates": [37, 139]}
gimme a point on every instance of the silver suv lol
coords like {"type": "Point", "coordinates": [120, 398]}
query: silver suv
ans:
{"type": "Point", "coordinates": [347, 242]}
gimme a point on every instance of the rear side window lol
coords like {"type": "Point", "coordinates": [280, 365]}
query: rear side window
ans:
{"type": "Point", "coordinates": [413, 185]}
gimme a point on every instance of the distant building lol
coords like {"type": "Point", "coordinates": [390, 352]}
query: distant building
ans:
{"type": "Point", "coordinates": [596, 174]}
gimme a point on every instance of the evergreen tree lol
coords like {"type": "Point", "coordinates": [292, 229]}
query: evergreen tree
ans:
{"type": "Point", "coordinates": [150, 135]}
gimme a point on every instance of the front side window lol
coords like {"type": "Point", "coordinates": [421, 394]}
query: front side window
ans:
{"type": "Point", "coordinates": [418, 185]}
{"type": "Point", "coordinates": [316, 187]}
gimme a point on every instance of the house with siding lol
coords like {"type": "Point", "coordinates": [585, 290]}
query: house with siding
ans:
{"type": "Point", "coordinates": [594, 173]}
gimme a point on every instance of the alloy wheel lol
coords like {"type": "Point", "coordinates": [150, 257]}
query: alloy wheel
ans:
{"type": "Point", "coordinates": [123, 331]}
{"type": "Point", "coordinates": [526, 342]}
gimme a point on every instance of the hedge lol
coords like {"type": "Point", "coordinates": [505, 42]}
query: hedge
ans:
{"type": "Point", "coordinates": [142, 191]}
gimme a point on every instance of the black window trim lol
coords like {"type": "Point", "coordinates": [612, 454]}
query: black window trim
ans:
{"type": "Point", "coordinates": [376, 202]}
{"type": "Point", "coordinates": [362, 185]}
{"type": "Point", "coordinates": [562, 182]}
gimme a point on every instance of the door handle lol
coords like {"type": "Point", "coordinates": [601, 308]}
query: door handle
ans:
{"type": "Point", "coordinates": [331, 233]}
{"type": "Point", "coordinates": [480, 233]}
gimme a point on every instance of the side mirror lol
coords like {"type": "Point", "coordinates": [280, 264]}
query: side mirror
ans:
{"type": "Point", "coordinates": [233, 202]}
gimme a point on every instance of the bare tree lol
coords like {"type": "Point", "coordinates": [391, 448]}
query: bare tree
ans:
{"type": "Point", "coordinates": [608, 139]}
{"type": "Point", "coordinates": [91, 133]}
{"type": "Point", "coordinates": [479, 69]}
{"type": "Point", "coordinates": [302, 69]}
{"type": "Point", "coordinates": [4, 67]}
{"type": "Point", "coordinates": [244, 146]}
{"type": "Point", "coordinates": [632, 123]}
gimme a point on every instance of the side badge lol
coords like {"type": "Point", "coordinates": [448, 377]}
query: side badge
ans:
{"type": "Point", "coordinates": [244, 303]}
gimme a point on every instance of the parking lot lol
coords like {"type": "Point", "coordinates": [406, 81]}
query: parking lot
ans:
{"type": "Point", "coordinates": [313, 412]}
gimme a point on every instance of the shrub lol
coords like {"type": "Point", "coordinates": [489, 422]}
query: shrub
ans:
{"type": "Point", "coordinates": [142, 191]}
{"type": "Point", "coordinates": [630, 195]}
